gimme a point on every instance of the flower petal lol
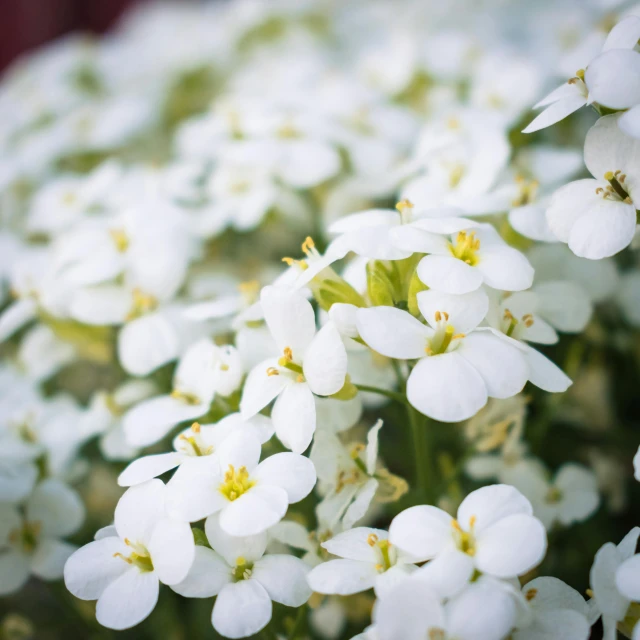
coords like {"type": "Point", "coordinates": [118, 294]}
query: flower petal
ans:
{"type": "Point", "coordinates": [448, 274]}
{"type": "Point", "coordinates": [209, 573]}
{"type": "Point", "coordinates": [284, 579]}
{"type": "Point", "coordinates": [325, 362]}
{"type": "Point", "coordinates": [292, 472]}
{"type": "Point", "coordinates": [148, 467]}
{"type": "Point", "coordinates": [241, 609]}
{"type": "Point", "coordinates": [422, 532]}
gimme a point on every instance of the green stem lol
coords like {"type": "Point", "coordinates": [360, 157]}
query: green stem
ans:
{"type": "Point", "coordinates": [298, 625]}
{"type": "Point", "coordinates": [392, 395]}
{"type": "Point", "coordinates": [421, 432]}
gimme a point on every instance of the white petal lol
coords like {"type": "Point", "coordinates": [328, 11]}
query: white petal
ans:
{"type": "Point", "coordinates": [446, 387]}
{"type": "Point", "coordinates": [254, 511]}
{"type": "Point", "coordinates": [511, 546]}
{"type": "Point", "coordinates": [448, 274]}
{"type": "Point", "coordinates": [609, 600]}
{"type": "Point", "coordinates": [531, 222]}
{"type": "Point", "coordinates": [629, 122]}
{"type": "Point", "coordinates": [619, 90]}
{"type": "Point", "coordinates": [409, 612]}
{"type": "Point", "coordinates": [604, 230]}
{"type": "Point", "coordinates": [308, 162]}
{"type": "Point", "coordinates": [555, 112]}
{"type": "Point", "coordinates": [342, 577]}
{"type": "Point", "coordinates": [392, 332]}
{"type": "Point", "coordinates": [484, 611]}
{"type": "Point", "coordinates": [353, 545]}
{"type": "Point", "coordinates": [360, 506]}
{"type": "Point", "coordinates": [128, 600]}
{"type": "Point", "coordinates": [49, 558]}
{"type": "Point", "coordinates": [172, 550]}
{"type": "Point", "coordinates": [193, 492]}
{"type": "Point", "coordinates": [241, 609]}
{"type": "Point", "coordinates": [628, 578]}
{"type": "Point", "coordinates": [284, 579]}
{"type": "Point", "coordinates": [607, 148]}
{"type": "Point", "coordinates": [209, 573]}
{"type": "Point", "coordinates": [422, 532]}
{"type": "Point", "coordinates": [490, 504]}
{"type": "Point", "coordinates": [325, 362]}
{"type": "Point", "coordinates": [374, 243]}
{"type": "Point", "coordinates": [14, 571]}
{"type": "Point", "coordinates": [251, 547]}
{"type": "Point", "coordinates": [58, 508]}
{"type": "Point", "coordinates": [551, 593]}
{"type": "Point", "coordinates": [292, 472]}
{"type": "Point", "coordinates": [139, 510]}
{"type": "Point", "coordinates": [412, 238]}
{"type": "Point", "coordinates": [465, 311]}
{"type": "Point", "coordinates": [16, 316]}
{"type": "Point", "coordinates": [363, 219]}
{"type": "Point", "coordinates": [290, 318]}
{"type": "Point", "coordinates": [153, 419]}
{"type": "Point", "coordinates": [545, 374]}
{"type": "Point", "coordinates": [564, 304]}
{"type": "Point", "coordinates": [294, 416]}
{"type": "Point", "coordinates": [505, 268]}
{"type": "Point", "coordinates": [558, 624]}
{"type": "Point", "coordinates": [104, 305]}
{"type": "Point", "coordinates": [624, 35]}
{"type": "Point", "coordinates": [260, 388]}
{"type": "Point", "coordinates": [93, 567]}
{"type": "Point", "coordinates": [501, 365]}
{"type": "Point", "coordinates": [148, 467]}
{"type": "Point", "coordinates": [569, 203]}
{"type": "Point", "coordinates": [448, 573]}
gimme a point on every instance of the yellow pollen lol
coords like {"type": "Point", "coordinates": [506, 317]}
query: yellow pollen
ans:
{"type": "Point", "coordinates": [438, 316]}
{"type": "Point", "coordinates": [590, 593]}
{"type": "Point", "coordinates": [187, 398]}
{"type": "Point", "coordinates": [236, 483]}
{"type": "Point", "coordinates": [456, 525]}
{"type": "Point", "coordinates": [307, 245]}
{"type": "Point", "coordinates": [288, 353]}
{"type": "Point", "coordinates": [379, 567]}
{"type": "Point", "coordinates": [530, 594]}
{"type": "Point", "coordinates": [466, 247]}
{"type": "Point", "coordinates": [403, 205]}
{"type": "Point", "coordinates": [372, 538]}
{"type": "Point", "coordinates": [580, 74]}
{"type": "Point", "coordinates": [459, 336]}
{"type": "Point", "coordinates": [472, 521]}
{"type": "Point", "coordinates": [142, 303]}
{"type": "Point", "coordinates": [527, 319]}
{"type": "Point", "coordinates": [120, 239]}
{"type": "Point", "coordinates": [249, 289]}
{"type": "Point", "coordinates": [69, 198]}
{"type": "Point", "coordinates": [272, 371]}
{"type": "Point", "coordinates": [288, 261]}
{"type": "Point", "coordinates": [195, 427]}
{"type": "Point", "coordinates": [300, 378]}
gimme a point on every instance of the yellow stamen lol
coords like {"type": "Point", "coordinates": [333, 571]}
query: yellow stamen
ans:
{"type": "Point", "coordinates": [372, 538]}
{"type": "Point", "coordinates": [236, 483]}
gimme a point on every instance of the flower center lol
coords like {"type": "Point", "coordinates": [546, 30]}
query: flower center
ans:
{"type": "Point", "coordinates": [142, 303]}
{"type": "Point", "coordinates": [616, 189]}
{"type": "Point", "coordinates": [236, 483]}
{"type": "Point", "coordinates": [511, 326]}
{"type": "Point", "coordinates": [386, 552]}
{"type": "Point", "coordinates": [243, 569]}
{"type": "Point", "coordinates": [185, 396]}
{"type": "Point", "coordinates": [444, 335]}
{"type": "Point", "coordinates": [193, 444]}
{"type": "Point", "coordinates": [466, 247]}
{"type": "Point", "coordinates": [527, 191]}
{"type": "Point", "coordinates": [405, 207]}
{"type": "Point", "coordinates": [436, 633]}
{"type": "Point", "coordinates": [120, 239]}
{"type": "Point", "coordinates": [554, 496]}
{"type": "Point", "coordinates": [139, 556]}
{"type": "Point", "coordinates": [465, 540]}
{"type": "Point", "coordinates": [26, 537]}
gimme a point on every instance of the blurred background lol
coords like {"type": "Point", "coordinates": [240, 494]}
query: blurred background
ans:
{"type": "Point", "coordinates": [26, 24]}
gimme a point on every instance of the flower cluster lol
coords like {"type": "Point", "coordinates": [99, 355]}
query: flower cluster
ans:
{"type": "Point", "coordinates": [256, 409]}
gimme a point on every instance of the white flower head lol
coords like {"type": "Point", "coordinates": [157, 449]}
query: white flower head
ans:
{"type": "Point", "coordinates": [123, 569]}
{"type": "Point", "coordinates": [310, 363]}
{"type": "Point", "coordinates": [244, 580]}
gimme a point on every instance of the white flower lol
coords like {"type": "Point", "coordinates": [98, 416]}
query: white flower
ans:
{"type": "Point", "coordinates": [244, 579]}
{"type": "Point", "coordinates": [572, 495]}
{"type": "Point", "coordinates": [30, 538]}
{"type": "Point", "coordinates": [554, 610]}
{"type": "Point", "coordinates": [597, 217]}
{"type": "Point", "coordinates": [311, 363]}
{"type": "Point", "coordinates": [534, 316]}
{"type": "Point", "coordinates": [494, 532]}
{"type": "Point", "coordinates": [194, 443]}
{"type": "Point", "coordinates": [250, 497]}
{"type": "Point", "coordinates": [485, 610]}
{"type": "Point", "coordinates": [368, 233]}
{"type": "Point", "coordinates": [367, 559]}
{"type": "Point", "coordinates": [458, 368]}
{"type": "Point", "coordinates": [203, 371]}
{"type": "Point", "coordinates": [611, 601]}
{"type": "Point", "coordinates": [611, 79]}
{"type": "Point", "coordinates": [466, 260]}
{"type": "Point", "coordinates": [123, 569]}
{"type": "Point", "coordinates": [347, 480]}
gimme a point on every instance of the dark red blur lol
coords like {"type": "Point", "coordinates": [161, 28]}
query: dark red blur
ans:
{"type": "Point", "coordinates": [26, 24]}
